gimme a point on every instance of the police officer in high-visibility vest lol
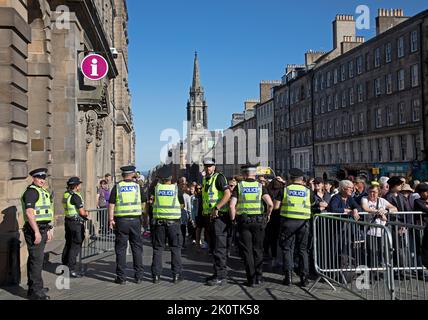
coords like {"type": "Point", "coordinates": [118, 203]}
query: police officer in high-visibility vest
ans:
{"type": "Point", "coordinates": [215, 197]}
{"type": "Point", "coordinates": [167, 204]}
{"type": "Point", "coordinates": [295, 203]}
{"type": "Point", "coordinates": [74, 216]}
{"type": "Point", "coordinates": [125, 213]}
{"type": "Point", "coordinates": [38, 212]}
{"type": "Point", "coordinates": [246, 205]}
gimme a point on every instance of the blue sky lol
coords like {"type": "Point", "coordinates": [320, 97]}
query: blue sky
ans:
{"type": "Point", "coordinates": [239, 42]}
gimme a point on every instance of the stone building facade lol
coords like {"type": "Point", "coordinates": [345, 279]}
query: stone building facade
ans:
{"type": "Point", "coordinates": [369, 103]}
{"type": "Point", "coordinates": [51, 116]}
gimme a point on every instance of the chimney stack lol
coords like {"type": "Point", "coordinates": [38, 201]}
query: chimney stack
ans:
{"type": "Point", "coordinates": [388, 18]}
{"type": "Point", "coordinates": [343, 25]}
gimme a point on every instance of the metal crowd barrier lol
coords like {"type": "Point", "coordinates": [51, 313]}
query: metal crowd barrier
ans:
{"type": "Point", "coordinates": [373, 261]}
{"type": "Point", "coordinates": [98, 236]}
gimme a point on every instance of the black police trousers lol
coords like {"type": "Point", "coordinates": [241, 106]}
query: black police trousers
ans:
{"type": "Point", "coordinates": [272, 235]}
{"type": "Point", "coordinates": [128, 229]}
{"type": "Point", "coordinates": [163, 230]}
{"type": "Point", "coordinates": [74, 236]}
{"type": "Point", "coordinates": [35, 259]}
{"type": "Point", "coordinates": [295, 232]}
{"type": "Point", "coordinates": [219, 231]}
{"type": "Point", "coordinates": [251, 236]}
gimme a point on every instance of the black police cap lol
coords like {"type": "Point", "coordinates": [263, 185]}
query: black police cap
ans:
{"type": "Point", "coordinates": [73, 181]}
{"type": "Point", "coordinates": [249, 167]}
{"type": "Point", "coordinates": [165, 173]}
{"type": "Point", "coordinates": [39, 172]}
{"type": "Point", "coordinates": [128, 169]}
{"type": "Point", "coordinates": [296, 173]}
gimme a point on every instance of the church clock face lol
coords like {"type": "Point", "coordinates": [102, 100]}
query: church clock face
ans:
{"type": "Point", "coordinates": [199, 125]}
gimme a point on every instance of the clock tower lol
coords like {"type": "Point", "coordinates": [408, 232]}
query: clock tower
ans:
{"type": "Point", "coordinates": [197, 119]}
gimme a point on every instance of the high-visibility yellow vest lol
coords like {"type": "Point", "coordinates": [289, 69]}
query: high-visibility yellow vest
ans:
{"type": "Point", "coordinates": [43, 207]}
{"type": "Point", "coordinates": [212, 196]}
{"type": "Point", "coordinates": [166, 204]}
{"type": "Point", "coordinates": [296, 203]}
{"type": "Point", "coordinates": [70, 209]}
{"type": "Point", "coordinates": [128, 199]}
{"type": "Point", "coordinates": [249, 198]}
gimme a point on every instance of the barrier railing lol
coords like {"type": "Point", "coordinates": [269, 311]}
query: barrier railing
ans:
{"type": "Point", "coordinates": [372, 260]}
{"type": "Point", "coordinates": [98, 236]}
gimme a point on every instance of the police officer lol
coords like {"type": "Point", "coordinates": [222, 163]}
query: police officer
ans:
{"type": "Point", "coordinates": [246, 205]}
{"type": "Point", "coordinates": [38, 214]}
{"type": "Point", "coordinates": [295, 204]}
{"type": "Point", "coordinates": [125, 210]}
{"type": "Point", "coordinates": [215, 196]}
{"type": "Point", "coordinates": [167, 204]}
{"type": "Point", "coordinates": [74, 224]}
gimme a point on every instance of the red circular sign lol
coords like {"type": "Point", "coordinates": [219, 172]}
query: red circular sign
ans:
{"type": "Point", "coordinates": [94, 67]}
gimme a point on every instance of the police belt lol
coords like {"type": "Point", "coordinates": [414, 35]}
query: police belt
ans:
{"type": "Point", "coordinates": [127, 218]}
{"type": "Point", "coordinates": [245, 218]}
{"type": "Point", "coordinates": [75, 219]}
{"type": "Point", "coordinates": [41, 225]}
{"type": "Point", "coordinates": [166, 222]}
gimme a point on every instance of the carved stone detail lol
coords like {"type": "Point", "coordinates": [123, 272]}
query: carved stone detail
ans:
{"type": "Point", "coordinates": [91, 123]}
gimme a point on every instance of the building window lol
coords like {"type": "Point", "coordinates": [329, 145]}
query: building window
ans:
{"type": "Point", "coordinates": [378, 89]}
{"type": "Point", "coordinates": [379, 150]}
{"type": "Point", "coordinates": [389, 116]}
{"type": "Point", "coordinates": [360, 93]}
{"type": "Point", "coordinates": [352, 124]}
{"type": "Point", "coordinates": [343, 99]}
{"type": "Point", "coordinates": [322, 82]}
{"type": "Point", "coordinates": [335, 76]}
{"type": "Point", "coordinates": [378, 118]}
{"type": "Point", "coordinates": [329, 103]}
{"type": "Point", "coordinates": [414, 41]}
{"type": "Point", "coordinates": [415, 144]}
{"type": "Point", "coordinates": [316, 84]}
{"type": "Point", "coordinates": [403, 148]}
{"type": "Point", "coordinates": [329, 79]}
{"type": "Point", "coordinates": [336, 101]}
{"type": "Point", "coordinates": [388, 83]}
{"type": "Point", "coordinates": [360, 65]}
{"type": "Point", "coordinates": [391, 148]}
{"type": "Point", "coordinates": [351, 69]}
{"type": "Point", "coordinates": [388, 52]}
{"type": "Point", "coordinates": [361, 122]}
{"type": "Point", "coordinates": [324, 129]}
{"type": "Point", "coordinates": [402, 113]}
{"type": "Point", "coordinates": [317, 133]}
{"type": "Point", "coordinates": [330, 128]}
{"type": "Point", "coordinates": [400, 80]}
{"type": "Point", "coordinates": [367, 59]}
{"type": "Point", "coordinates": [414, 73]}
{"type": "Point", "coordinates": [337, 130]}
{"type": "Point", "coordinates": [377, 58]}
{"type": "Point", "coordinates": [345, 126]}
{"type": "Point", "coordinates": [323, 105]}
{"type": "Point", "coordinates": [317, 108]}
{"type": "Point", "coordinates": [351, 96]}
{"type": "Point", "coordinates": [416, 110]}
{"type": "Point", "coordinates": [342, 73]}
{"type": "Point", "coordinates": [400, 47]}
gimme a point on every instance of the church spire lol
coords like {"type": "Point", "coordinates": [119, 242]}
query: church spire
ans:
{"type": "Point", "coordinates": [196, 84]}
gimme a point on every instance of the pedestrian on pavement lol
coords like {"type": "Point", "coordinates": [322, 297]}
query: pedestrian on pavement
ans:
{"type": "Point", "coordinates": [215, 197]}
{"type": "Point", "coordinates": [74, 217]}
{"type": "Point", "coordinates": [125, 211]}
{"type": "Point", "coordinates": [37, 207]}
{"type": "Point", "coordinates": [295, 202]}
{"type": "Point", "coordinates": [167, 205]}
{"type": "Point", "coordinates": [185, 212]}
{"type": "Point", "coordinates": [246, 206]}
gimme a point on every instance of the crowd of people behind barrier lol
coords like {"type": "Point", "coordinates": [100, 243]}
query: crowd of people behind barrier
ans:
{"type": "Point", "coordinates": [380, 199]}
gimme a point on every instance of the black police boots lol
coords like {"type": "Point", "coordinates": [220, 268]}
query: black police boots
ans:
{"type": "Point", "coordinates": [216, 282]}
{"type": "Point", "coordinates": [120, 281]}
{"type": "Point", "coordinates": [287, 279]}
{"type": "Point", "coordinates": [156, 279]}
{"type": "Point", "coordinates": [304, 282]}
{"type": "Point", "coordinates": [177, 278]}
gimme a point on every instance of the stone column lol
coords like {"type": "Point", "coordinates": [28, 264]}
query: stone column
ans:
{"type": "Point", "coordinates": [14, 38]}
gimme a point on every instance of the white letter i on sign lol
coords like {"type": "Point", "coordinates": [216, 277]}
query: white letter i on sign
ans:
{"type": "Point", "coordinates": [94, 68]}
